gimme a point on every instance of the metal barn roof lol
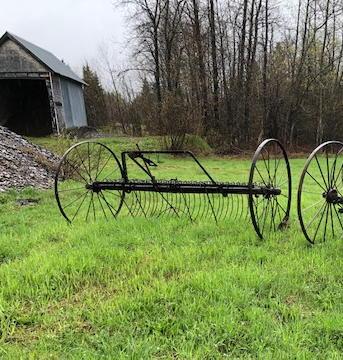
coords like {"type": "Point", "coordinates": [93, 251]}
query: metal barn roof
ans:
{"type": "Point", "coordinates": [44, 56]}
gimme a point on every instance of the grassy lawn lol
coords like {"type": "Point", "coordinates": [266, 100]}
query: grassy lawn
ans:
{"type": "Point", "coordinates": [164, 288]}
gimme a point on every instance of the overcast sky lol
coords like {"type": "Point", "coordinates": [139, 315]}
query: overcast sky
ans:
{"type": "Point", "coordinates": [71, 29]}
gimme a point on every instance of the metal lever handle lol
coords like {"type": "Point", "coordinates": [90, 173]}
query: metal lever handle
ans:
{"type": "Point", "coordinates": [149, 162]}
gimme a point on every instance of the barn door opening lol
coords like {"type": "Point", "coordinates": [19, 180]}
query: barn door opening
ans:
{"type": "Point", "coordinates": [25, 107]}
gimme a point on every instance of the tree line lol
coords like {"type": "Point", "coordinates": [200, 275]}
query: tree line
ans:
{"type": "Point", "coordinates": [234, 72]}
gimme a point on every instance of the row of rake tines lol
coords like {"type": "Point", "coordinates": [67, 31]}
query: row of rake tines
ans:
{"type": "Point", "coordinates": [190, 205]}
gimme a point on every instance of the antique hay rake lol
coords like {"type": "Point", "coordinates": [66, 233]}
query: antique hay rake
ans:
{"type": "Point", "coordinates": [320, 193]}
{"type": "Point", "coordinates": [91, 182]}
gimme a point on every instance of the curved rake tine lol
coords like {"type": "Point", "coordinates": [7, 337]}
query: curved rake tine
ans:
{"type": "Point", "coordinates": [212, 209]}
{"type": "Point", "coordinates": [196, 206]}
{"type": "Point", "coordinates": [176, 198]}
{"type": "Point", "coordinates": [135, 204]}
{"type": "Point", "coordinates": [159, 205]}
{"type": "Point", "coordinates": [148, 203]}
{"type": "Point", "coordinates": [227, 206]}
{"type": "Point", "coordinates": [156, 204]}
{"type": "Point", "coordinates": [169, 204]}
{"type": "Point", "coordinates": [164, 205]}
{"type": "Point", "coordinates": [242, 213]}
{"type": "Point", "coordinates": [220, 207]}
{"type": "Point", "coordinates": [193, 207]}
{"type": "Point", "coordinates": [206, 207]}
{"type": "Point", "coordinates": [138, 199]}
{"type": "Point", "coordinates": [237, 207]}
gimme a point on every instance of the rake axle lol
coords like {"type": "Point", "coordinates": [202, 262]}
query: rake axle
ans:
{"type": "Point", "coordinates": [184, 187]}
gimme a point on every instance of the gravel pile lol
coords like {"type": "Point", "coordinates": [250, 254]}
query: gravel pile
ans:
{"type": "Point", "coordinates": [23, 164]}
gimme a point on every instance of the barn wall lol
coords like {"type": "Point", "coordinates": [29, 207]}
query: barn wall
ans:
{"type": "Point", "coordinates": [14, 59]}
{"type": "Point", "coordinates": [73, 104]}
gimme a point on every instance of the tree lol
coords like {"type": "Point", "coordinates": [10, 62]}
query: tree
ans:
{"type": "Point", "coordinates": [244, 69]}
{"type": "Point", "coordinates": [95, 100]}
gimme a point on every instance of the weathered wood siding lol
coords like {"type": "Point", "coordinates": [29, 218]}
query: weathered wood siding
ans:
{"type": "Point", "coordinates": [58, 102]}
{"type": "Point", "coordinates": [15, 59]}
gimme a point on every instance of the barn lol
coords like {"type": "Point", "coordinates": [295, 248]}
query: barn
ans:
{"type": "Point", "coordinates": [39, 94]}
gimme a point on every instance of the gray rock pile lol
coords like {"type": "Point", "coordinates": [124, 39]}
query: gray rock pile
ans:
{"type": "Point", "coordinates": [23, 164]}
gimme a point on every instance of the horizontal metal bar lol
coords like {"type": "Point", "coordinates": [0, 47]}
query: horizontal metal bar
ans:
{"type": "Point", "coordinates": [179, 187]}
{"type": "Point", "coordinates": [338, 200]}
{"type": "Point", "coordinates": [137, 154]}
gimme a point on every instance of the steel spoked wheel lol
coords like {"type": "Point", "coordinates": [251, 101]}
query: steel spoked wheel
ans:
{"type": "Point", "coordinates": [320, 199]}
{"type": "Point", "coordinates": [81, 166]}
{"type": "Point", "coordinates": [270, 171]}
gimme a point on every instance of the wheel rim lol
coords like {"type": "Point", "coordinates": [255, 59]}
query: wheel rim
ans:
{"type": "Point", "coordinates": [319, 191]}
{"type": "Point", "coordinates": [83, 164]}
{"type": "Point", "coordinates": [270, 168]}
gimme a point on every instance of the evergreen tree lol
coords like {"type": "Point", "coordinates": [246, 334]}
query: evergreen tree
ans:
{"type": "Point", "coordinates": [95, 100]}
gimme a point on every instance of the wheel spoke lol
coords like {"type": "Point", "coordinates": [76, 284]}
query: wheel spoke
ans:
{"type": "Point", "coordinates": [265, 216]}
{"type": "Point", "coordinates": [75, 169]}
{"type": "Point", "coordinates": [102, 206]}
{"type": "Point", "coordinates": [272, 222]}
{"type": "Point", "coordinates": [321, 172]}
{"type": "Point", "coordinates": [332, 176]}
{"type": "Point", "coordinates": [267, 167]}
{"type": "Point", "coordinates": [89, 206]}
{"type": "Point", "coordinates": [78, 209]}
{"type": "Point", "coordinates": [311, 206]}
{"type": "Point", "coordinates": [327, 167]}
{"type": "Point", "coordinates": [326, 221]}
{"type": "Point", "coordinates": [261, 176]}
{"type": "Point", "coordinates": [280, 215]}
{"type": "Point", "coordinates": [74, 189]}
{"type": "Point", "coordinates": [336, 179]}
{"type": "Point", "coordinates": [108, 205]}
{"type": "Point", "coordinates": [320, 221]}
{"type": "Point", "coordinates": [83, 164]}
{"type": "Point", "coordinates": [93, 205]}
{"type": "Point", "coordinates": [107, 177]}
{"type": "Point", "coordinates": [98, 163]}
{"type": "Point", "coordinates": [281, 206]}
{"type": "Point", "coordinates": [75, 200]}
{"type": "Point", "coordinates": [105, 165]}
{"type": "Point", "coordinates": [312, 192]}
{"type": "Point", "coordinates": [89, 162]}
{"type": "Point", "coordinates": [316, 181]}
{"type": "Point", "coordinates": [275, 170]}
{"type": "Point", "coordinates": [332, 225]}
{"type": "Point", "coordinates": [316, 214]}
{"type": "Point", "coordinates": [338, 217]}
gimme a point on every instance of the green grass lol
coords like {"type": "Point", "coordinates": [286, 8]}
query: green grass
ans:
{"type": "Point", "coordinates": [164, 288]}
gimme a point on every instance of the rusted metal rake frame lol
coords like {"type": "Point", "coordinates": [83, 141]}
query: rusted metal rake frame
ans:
{"type": "Point", "coordinates": [175, 186]}
{"type": "Point", "coordinates": [265, 190]}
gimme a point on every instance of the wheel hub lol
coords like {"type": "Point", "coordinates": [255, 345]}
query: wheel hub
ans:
{"type": "Point", "coordinates": [93, 187]}
{"type": "Point", "coordinates": [331, 196]}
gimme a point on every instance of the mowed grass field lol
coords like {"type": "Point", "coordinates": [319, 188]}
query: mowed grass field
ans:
{"type": "Point", "coordinates": [164, 288]}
